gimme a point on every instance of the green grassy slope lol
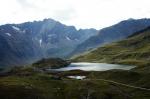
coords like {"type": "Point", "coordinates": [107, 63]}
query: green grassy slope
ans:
{"type": "Point", "coordinates": [36, 85]}
{"type": "Point", "coordinates": [51, 63]}
{"type": "Point", "coordinates": [134, 50]}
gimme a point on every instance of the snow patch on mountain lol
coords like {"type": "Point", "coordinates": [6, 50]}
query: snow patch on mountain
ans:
{"type": "Point", "coordinates": [68, 38]}
{"type": "Point", "coordinates": [40, 41]}
{"type": "Point", "coordinates": [16, 28]}
{"type": "Point", "coordinates": [8, 34]}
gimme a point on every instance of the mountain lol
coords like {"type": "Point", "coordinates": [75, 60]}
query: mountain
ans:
{"type": "Point", "coordinates": [31, 41]}
{"type": "Point", "coordinates": [113, 33]}
{"type": "Point", "coordinates": [16, 47]}
{"type": "Point", "coordinates": [135, 50]}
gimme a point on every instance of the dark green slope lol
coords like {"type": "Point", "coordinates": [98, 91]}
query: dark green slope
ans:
{"type": "Point", "coordinates": [26, 83]}
{"type": "Point", "coordinates": [134, 50]}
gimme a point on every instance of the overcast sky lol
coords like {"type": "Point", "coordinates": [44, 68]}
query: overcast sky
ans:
{"type": "Point", "coordinates": [80, 13]}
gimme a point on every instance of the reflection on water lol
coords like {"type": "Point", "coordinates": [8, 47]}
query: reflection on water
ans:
{"type": "Point", "coordinates": [93, 67]}
{"type": "Point", "coordinates": [77, 77]}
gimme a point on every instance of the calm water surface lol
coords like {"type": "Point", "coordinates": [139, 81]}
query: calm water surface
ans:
{"type": "Point", "coordinates": [85, 66]}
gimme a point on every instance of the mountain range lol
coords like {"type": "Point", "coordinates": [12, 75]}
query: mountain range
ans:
{"type": "Point", "coordinates": [113, 33]}
{"type": "Point", "coordinates": [25, 43]}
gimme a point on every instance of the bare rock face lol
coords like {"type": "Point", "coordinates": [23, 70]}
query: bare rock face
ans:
{"type": "Point", "coordinates": [28, 42]}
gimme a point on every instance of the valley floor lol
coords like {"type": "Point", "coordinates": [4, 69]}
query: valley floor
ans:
{"type": "Point", "coordinates": [26, 83]}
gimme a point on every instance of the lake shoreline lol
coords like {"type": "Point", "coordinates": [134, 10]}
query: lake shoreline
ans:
{"type": "Point", "coordinates": [87, 66]}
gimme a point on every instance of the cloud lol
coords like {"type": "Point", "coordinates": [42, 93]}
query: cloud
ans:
{"type": "Point", "coordinates": [25, 3]}
{"type": "Point", "coordinates": [29, 4]}
{"type": "Point", "coordinates": [65, 14]}
{"type": "Point", "coordinates": [81, 13]}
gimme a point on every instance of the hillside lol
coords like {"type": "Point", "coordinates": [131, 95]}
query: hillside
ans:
{"type": "Point", "coordinates": [134, 50]}
{"type": "Point", "coordinates": [28, 83]}
{"type": "Point", "coordinates": [51, 63]}
{"type": "Point", "coordinates": [113, 33]}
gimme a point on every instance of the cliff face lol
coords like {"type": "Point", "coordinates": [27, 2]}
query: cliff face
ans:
{"type": "Point", "coordinates": [27, 42]}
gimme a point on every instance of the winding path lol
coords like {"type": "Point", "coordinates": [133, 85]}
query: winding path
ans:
{"type": "Point", "coordinates": [122, 84]}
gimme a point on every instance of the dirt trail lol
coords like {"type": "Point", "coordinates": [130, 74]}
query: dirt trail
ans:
{"type": "Point", "coordinates": [122, 84]}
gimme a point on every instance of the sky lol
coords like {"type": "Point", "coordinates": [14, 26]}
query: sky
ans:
{"type": "Point", "coordinates": [80, 13]}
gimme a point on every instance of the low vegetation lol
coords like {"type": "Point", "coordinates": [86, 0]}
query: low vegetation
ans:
{"type": "Point", "coordinates": [135, 50]}
{"type": "Point", "coordinates": [25, 83]}
{"type": "Point", "coordinates": [51, 63]}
